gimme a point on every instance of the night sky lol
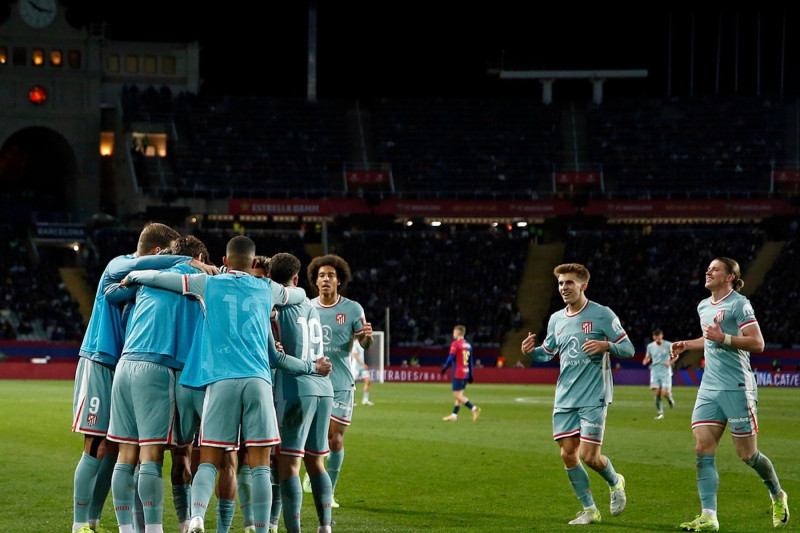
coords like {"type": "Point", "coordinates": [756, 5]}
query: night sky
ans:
{"type": "Point", "coordinates": [433, 48]}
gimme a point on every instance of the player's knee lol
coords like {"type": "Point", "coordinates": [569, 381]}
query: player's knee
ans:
{"type": "Point", "coordinates": [590, 459]}
{"type": "Point", "coordinates": [95, 446]}
{"type": "Point", "coordinates": [749, 457]}
{"type": "Point", "coordinates": [335, 442]}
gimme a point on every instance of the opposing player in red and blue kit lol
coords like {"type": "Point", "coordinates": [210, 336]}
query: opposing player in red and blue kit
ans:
{"type": "Point", "coordinates": [460, 359]}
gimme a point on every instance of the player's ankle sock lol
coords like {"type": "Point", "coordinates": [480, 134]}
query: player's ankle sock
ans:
{"type": "Point", "coordinates": [707, 481]}
{"type": "Point", "coordinates": [579, 480]}
{"type": "Point", "coordinates": [151, 492]}
{"type": "Point", "coordinates": [203, 488]}
{"type": "Point", "coordinates": [122, 489]}
{"type": "Point", "coordinates": [225, 510]}
{"type": "Point", "coordinates": [335, 460]}
{"type": "Point", "coordinates": [137, 511]}
{"type": "Point", "coordinates": [245, 484]}
{"type": "Point", "coordinates": [102, 486]}
{"type": "Point", "coordinates": [323, 494]}
{"type": "Point", "coordinates": [277, 503]}
{"type": "Point", "coordinates": [763, 466]}
{"type": "Point", "coordinates": [261, 495]}
{"type": "Point", "coordinates": [83, 486]}
{"type": "Point", "coordinates": [292, 500]}
{"type": "Point", "coordinates": [180, 498]}
{"type": "Point", "coordinates": [610, 475]}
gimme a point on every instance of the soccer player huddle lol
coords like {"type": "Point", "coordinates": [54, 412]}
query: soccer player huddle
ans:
{"type": "Point", "coordinates": [233, 370]}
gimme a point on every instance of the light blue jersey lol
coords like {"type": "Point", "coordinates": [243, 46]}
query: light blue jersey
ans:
{"type": "Point", "coordinates": [105, 333]}
{"type": "Point", "coordinates": [156, 329]}
{"type": "Point", "coordinates": [301, 337]}
{"type": "Point", "coordinates": [658, 356]}
{"type": "Point", "coordinates": [235, 340]}
{"type": "Point", "coordinates": [584, 380]}
{"type": "Point", "coordinates": [341, 322]}
{"type": "Point", "coordinates": [727, 368]}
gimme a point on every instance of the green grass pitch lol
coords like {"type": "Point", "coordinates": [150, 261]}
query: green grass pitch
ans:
{"type": "Point", "coordinates": [406, 470]}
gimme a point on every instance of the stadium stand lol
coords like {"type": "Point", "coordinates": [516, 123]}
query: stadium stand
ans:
{"type": "Point", "coordinates": [244, 147]}
{"type": "Point", "coordinates": [234, 147]}
{"type": "Point", "coordinates": [654, 277]}
{"type": "Point", "coordinates": [712, 147]}
{"type": "Point", "coordinates": [35, 305]}
{"type": "Point", "coordinates": [433, 280]}
{"type": "Point", "coordinates": [451, 147]}
{"type": "Point", "coordinates": [777, 321]}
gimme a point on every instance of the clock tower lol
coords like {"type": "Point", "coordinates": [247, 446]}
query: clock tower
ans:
{"type": "Point", "coordinates": [38, 13]}
{"type": "Point", "coordinates": [63, 141]}
{"type": "Point", "coordinates": [50, 102]}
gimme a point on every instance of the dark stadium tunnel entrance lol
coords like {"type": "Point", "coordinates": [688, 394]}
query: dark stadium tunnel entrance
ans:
{"type": "Point", "coordinates": [37, 171]}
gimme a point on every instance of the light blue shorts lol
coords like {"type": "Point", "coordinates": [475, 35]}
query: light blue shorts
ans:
{"type": "Point", "coordinates": [189, 402]}
{"type": "Point", "coordinates": [736, 408]}
{"type": "Point", "coordinates": [142, 404]}
{"type": "Point", "coordinates": [304, 424]}
{"type": "Point", "coordinates": [91, 400]}
{"type": "Point", "coordinates": [587, 422]}
{"type": "Point", "coordinates": [233, 402]}
{"type": "Point", "coordinates": [660, 380]}
{"type": "Point", "coordinates": [342, 407]}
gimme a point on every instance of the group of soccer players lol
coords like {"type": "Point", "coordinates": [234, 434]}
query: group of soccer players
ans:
{"type": "Point", "coordinates": [177, 352]}
{"type": "Point", "coordinates": [584, 334]}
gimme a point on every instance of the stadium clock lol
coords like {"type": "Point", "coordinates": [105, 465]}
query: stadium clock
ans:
{"type": "Point", "coordinates": [38, 13]}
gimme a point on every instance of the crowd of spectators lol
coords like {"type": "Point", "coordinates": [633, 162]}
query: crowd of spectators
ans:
{"type": "Point", "coordinates": [655, 277]}
{"type": "Point", "coordinates": [452, 147]}
{"type": "Point", "coordinates": [777, 302]}
{"type": "Point", "coordinates": [419, 275]}
{"type": "Point", "coordinates": [434, 279]}
{"type": "Point", "coordinates": [431, 279]}
{"type": "Point", "coordinates": [696, 146]}
{"type": "Point", "coordinates": [238, 146]}
{"type": "Point", "coordinates": [35, 304]}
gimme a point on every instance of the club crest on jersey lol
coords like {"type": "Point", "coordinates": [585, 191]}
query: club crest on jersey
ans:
{"type": "Point", "coordinates": [720, 316]}
{"type": "Point", "coordinates": [341, 318]}
{"type": "Point", "coordinates": [586, 327]}
{"type": "Point", "coordinates": [91, 420]}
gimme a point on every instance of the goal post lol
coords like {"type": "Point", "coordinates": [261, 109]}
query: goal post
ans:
{"type": "Point", "coordinates": [375, 357]}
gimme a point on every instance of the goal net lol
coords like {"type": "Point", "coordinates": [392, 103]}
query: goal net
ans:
{"type": "Point", "coordinates": [375, 357]}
